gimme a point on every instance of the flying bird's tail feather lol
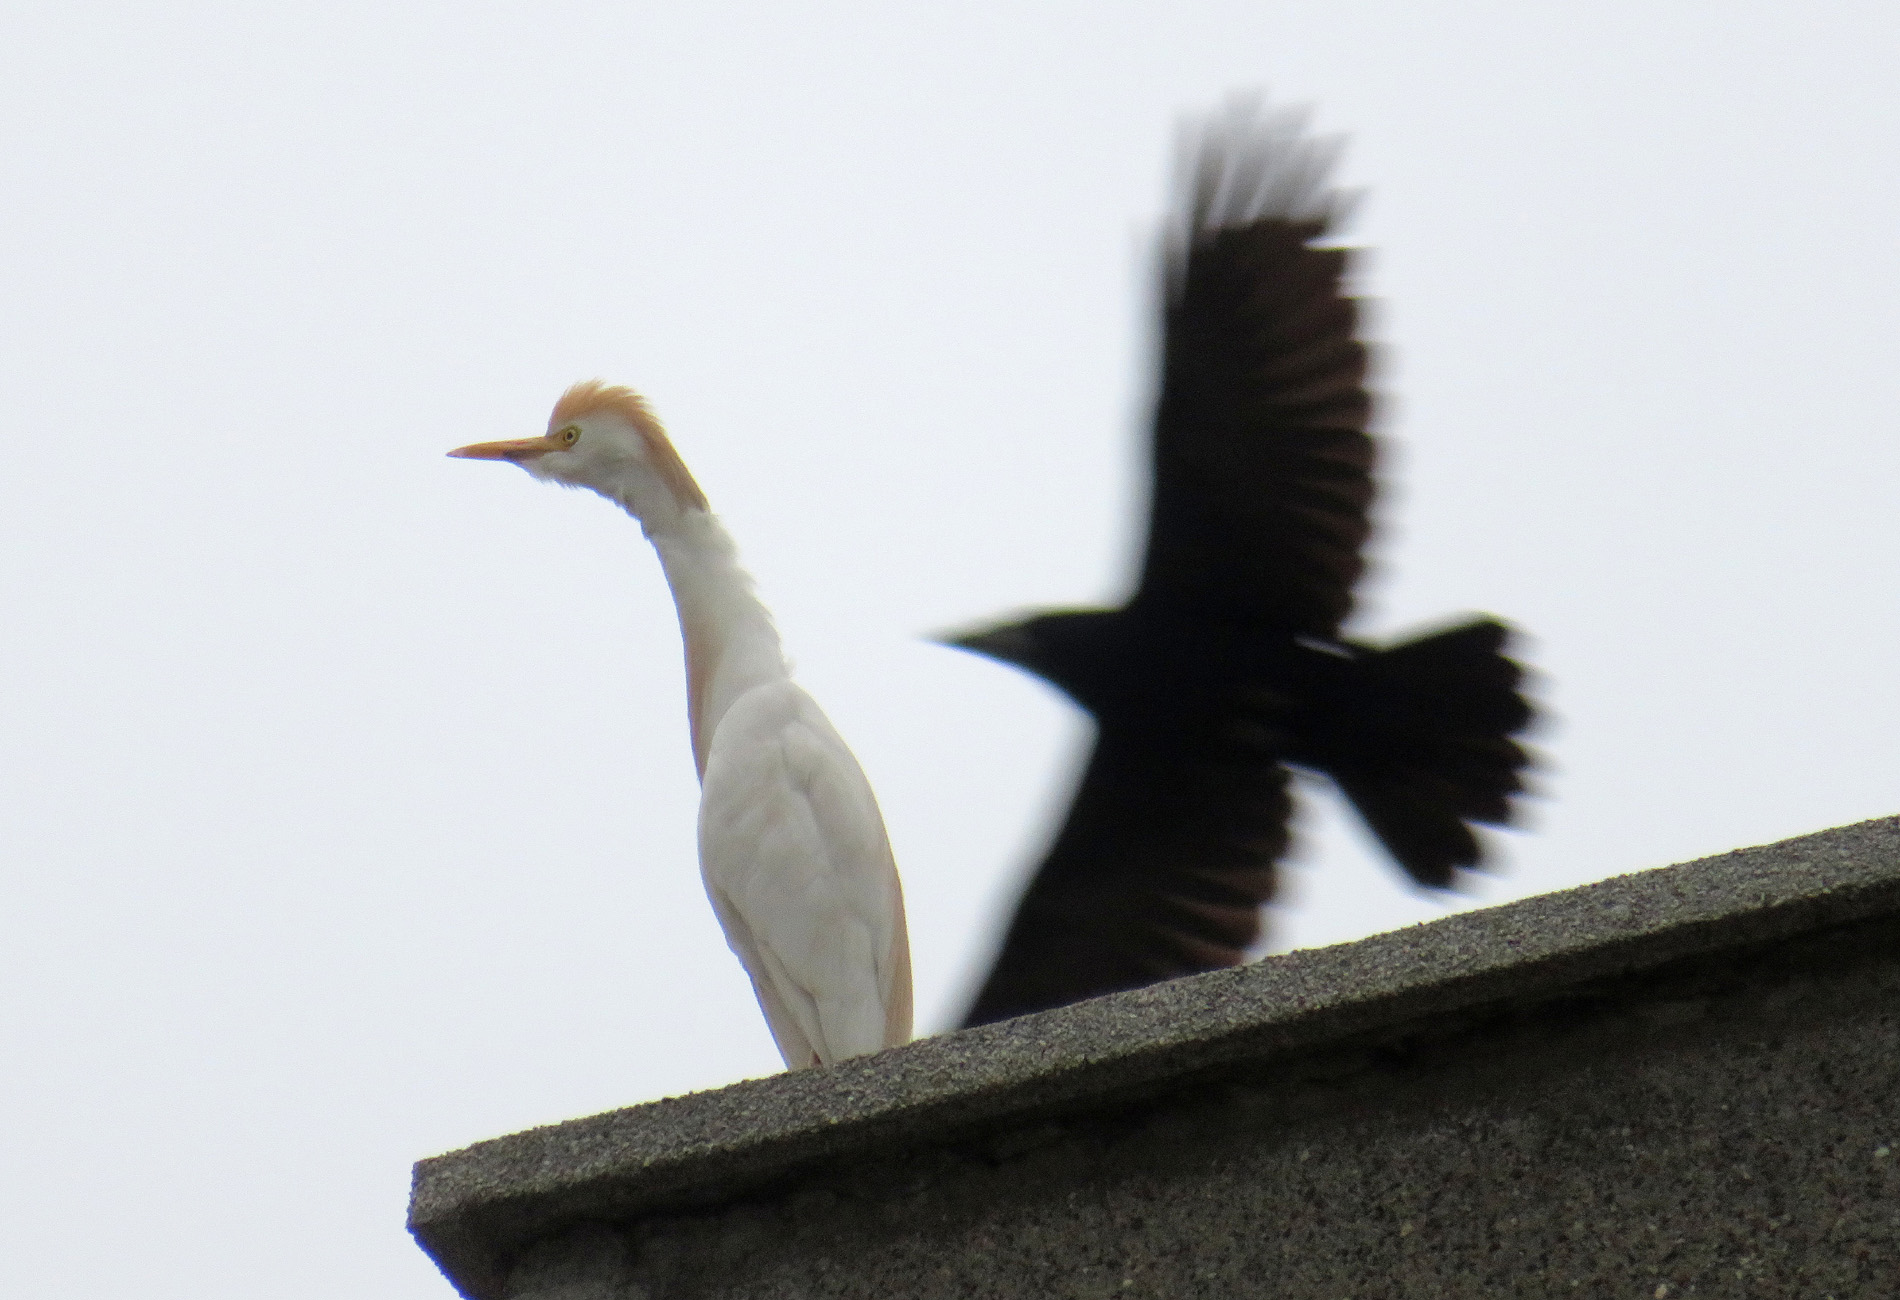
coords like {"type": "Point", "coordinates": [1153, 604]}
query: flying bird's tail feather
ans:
{"type": "Point", "coordinates": [1419, 740]}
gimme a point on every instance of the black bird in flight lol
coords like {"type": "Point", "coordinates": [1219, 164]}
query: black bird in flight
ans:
{"type": "Point", "coordinates": [1227, 665]}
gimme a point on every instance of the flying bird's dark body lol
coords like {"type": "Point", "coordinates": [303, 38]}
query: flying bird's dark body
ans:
{"type": "Point", "coordinates": [1227, 665]}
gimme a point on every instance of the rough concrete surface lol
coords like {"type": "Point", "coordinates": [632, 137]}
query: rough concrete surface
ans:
{"type": "Point", "coordinates": [1680, 1082]}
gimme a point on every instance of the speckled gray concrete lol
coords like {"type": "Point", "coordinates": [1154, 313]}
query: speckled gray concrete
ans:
{"type": "Point", "coordinates": [1679, 1079]}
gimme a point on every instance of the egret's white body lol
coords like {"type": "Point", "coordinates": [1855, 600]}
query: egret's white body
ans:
{"type": "Point", "coordinates": [792, 847]}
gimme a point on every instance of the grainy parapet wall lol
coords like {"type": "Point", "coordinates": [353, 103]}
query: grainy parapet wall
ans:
{"type": "Point", "coordinates": [1679, 1082]}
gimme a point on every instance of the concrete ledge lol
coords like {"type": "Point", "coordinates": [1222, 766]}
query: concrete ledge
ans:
{"type": "Point", "coordinates": [481, 1211]}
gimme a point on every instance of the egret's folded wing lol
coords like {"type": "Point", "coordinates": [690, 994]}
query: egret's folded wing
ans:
{"type": "Point", "coordinates": [845, 811]}
{"type": "Point", "coordinates": [791, 840]}
{"type": "Point", "coordinates": [794, 1044]}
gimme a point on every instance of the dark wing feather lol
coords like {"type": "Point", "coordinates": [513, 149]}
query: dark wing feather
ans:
{"type": "Point", "coordinates": [1160, 870]}
{"type": "Point", "coordinates": [1263, 478]}
{"type": "Point", "coordinates": [1262, 463]}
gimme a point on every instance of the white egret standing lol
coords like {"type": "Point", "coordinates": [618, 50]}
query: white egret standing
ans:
{"type": "Point", "coordinates": [792, 848]}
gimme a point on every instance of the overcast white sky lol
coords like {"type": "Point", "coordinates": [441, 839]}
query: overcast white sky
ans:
{"type": "Point", "coordinates": [347, 809]}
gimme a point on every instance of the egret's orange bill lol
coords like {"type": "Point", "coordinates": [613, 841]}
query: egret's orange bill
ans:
{"type": "Point", "coordinates": [513, 449]}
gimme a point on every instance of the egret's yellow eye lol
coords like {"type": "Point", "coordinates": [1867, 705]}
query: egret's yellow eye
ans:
{"type": "Point", "coordinates": [570, 435]}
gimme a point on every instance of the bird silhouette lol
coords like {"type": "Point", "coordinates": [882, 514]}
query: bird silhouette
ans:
{"type": "Point", "coordinates": [1227, 667]}
{"type": "Point", "coordinates": [792, 848]}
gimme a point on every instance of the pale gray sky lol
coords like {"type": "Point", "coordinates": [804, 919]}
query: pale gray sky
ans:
{"type": "Point", "coordinates": [347, 810]}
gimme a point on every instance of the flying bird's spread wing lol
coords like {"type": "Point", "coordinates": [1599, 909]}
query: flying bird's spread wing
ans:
{"type": "Point", "coordinates": [1262, 463]}
{"type": "Point", "coordinates": [1262, 479]}
{"type": "Point", "coordinates": [1227, 665]}
{"type": "Point", "coordinates": [1159, 871]}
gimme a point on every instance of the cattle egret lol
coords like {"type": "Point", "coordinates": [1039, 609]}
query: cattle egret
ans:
{"type": "Point", "coordinates": [1227, 664]}
{"type": "Point", "coordinates": [792, 848]}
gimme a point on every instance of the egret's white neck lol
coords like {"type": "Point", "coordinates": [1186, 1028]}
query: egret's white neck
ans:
{"type": "Point", "coordinates": [731, 645]}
